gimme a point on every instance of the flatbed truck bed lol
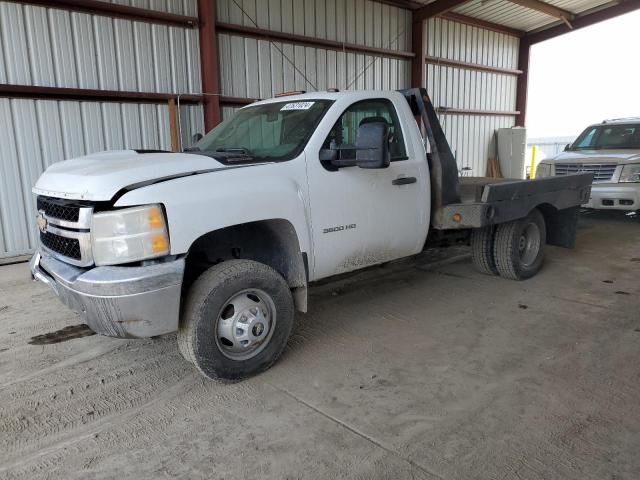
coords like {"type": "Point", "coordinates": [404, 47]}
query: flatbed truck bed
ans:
{"type": "Point", "coordinates": [480, 202]}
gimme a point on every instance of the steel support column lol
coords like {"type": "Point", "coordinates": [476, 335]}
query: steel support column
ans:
{"type": "Point", "coordinates": [523, 81]}
{"type": "Point", "coordinates": [418, 48]}
{"type": "Point", "coordinates": [209, 62]}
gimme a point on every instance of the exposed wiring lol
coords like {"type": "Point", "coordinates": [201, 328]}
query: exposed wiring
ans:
{"type": "Point", "coordinates": [375, 59]}
{"type": "Point", "coordinates": [271, 42]}
{"type": "Point", "coordinates": [276, 47]}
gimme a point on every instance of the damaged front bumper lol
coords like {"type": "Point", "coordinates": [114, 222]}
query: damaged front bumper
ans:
{"type": "Point", "coordinates": [124, 302]}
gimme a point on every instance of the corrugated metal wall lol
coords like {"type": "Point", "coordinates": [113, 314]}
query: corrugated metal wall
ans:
{"type": "Point", "coordinates": [180, 7]}
{"type": "Point", "coordinates": [51, 47]}
{"type": "Point", "coordinates": [228, 111]}
{"type": "Point", "coordinates": [549, 146]}
{"type": "Point", "coordinates": [57, 48]}
{"type": "Point", "coordinates": [471, 136]}
{"type": "Point", "coordinates": [258, 69]}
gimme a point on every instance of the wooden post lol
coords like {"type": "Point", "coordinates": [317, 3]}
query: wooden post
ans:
{"type": "Point", "coordinates": [173, 125]}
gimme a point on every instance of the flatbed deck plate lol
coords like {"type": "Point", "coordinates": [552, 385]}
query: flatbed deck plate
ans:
{"type": "Point", "coordinates": [488, 201]}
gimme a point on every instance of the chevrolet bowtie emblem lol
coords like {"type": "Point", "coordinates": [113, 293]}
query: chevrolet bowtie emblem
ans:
{"type": "Point", "coordinates": [42, 222]}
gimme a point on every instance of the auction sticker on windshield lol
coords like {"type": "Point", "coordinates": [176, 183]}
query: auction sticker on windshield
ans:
{"type": "Point", "coordinates": [297, 106]}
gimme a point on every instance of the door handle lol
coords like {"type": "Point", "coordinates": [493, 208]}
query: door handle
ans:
{"type": "Point", "coordinates": [404, 181]}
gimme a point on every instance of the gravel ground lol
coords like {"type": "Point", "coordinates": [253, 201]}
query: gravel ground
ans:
{"type": "Point", "coordinates": [414, 370]}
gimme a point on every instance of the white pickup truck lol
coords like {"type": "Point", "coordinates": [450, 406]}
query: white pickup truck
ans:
{"type": "Point", "coordinates": [220, 242]}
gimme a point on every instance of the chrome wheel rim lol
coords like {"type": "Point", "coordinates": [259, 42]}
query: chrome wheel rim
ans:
{"type": "Point", "coordinates": [529, 244]}
{"type": "Point", "coordinates": [245, 324]}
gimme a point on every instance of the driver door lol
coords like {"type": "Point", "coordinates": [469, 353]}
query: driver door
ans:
{"type": "Point", "coordinates": [362, 217]}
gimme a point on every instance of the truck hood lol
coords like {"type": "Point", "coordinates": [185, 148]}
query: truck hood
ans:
{"type": "Point", "coordinates": [598, 156]}
{"type": "Point", "coordinates": [100, 176]}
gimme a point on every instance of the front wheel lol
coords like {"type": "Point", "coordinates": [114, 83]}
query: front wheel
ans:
{"type": "Point", "coordinates": [518, 247]}
{"type": "Point", "coordinates": [237, 319]}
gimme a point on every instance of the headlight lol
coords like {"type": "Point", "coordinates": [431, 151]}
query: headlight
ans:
{"type": "Point", "coordinates": [129, 235]}
{"type": "Point", "coordinates": [543, 170]}
{"type": "Point", "coordinates": [630, 173]}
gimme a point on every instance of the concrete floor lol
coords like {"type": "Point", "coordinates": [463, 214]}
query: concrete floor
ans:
{"type": "Point", "coordinates": [414, 371]}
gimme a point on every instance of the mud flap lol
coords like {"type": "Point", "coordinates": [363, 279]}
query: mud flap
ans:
{"type": "Point", "coordinates": [562, 226]}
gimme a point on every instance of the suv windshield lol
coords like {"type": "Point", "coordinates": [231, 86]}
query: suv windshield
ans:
{"type": "Point", "coordinates": [608, 137]}
{"type": "Point", "coordinates": [272, 132]}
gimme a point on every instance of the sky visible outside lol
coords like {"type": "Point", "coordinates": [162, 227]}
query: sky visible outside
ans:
{"type": "Point", "coordinates": [584, 77]}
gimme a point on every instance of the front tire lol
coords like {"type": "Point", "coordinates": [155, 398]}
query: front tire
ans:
{"type": "Point", "coordinates": [519, 246]}
{"type": "Point", "coordinates": [237, 318]}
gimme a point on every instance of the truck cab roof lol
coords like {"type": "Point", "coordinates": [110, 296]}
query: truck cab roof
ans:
{"type": "Point", "coordinates": [332, 95]}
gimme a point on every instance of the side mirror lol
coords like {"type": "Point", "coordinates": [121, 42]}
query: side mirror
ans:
{"type": "Point", "coordinates": [372, 145]}
{"type": "Point", "coordinates": [567, 147]}
{"type": "Point", "coordinates": [332, 156]}
{"type": "Point", "coordinates": [329, 154]}
{"type": "Point", "coordinates": [196, 138]}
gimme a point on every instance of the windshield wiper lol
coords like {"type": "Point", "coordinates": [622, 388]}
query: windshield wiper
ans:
{"type": "Point", "coordinates": [191, 149]}
{"type": "Point", "coordinates": [229, 155]}
{"type": "Point", "coordinates": [242, 150]}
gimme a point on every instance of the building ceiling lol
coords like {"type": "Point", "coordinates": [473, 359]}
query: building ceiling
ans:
{"type": "Point", "coordinates": [524, 16]}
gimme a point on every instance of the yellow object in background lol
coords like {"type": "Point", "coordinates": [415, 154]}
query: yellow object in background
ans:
{"type": "Point", "coordinates": [532, 174]}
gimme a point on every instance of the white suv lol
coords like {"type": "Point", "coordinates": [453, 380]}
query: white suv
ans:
{"type": "Point", "coordinates": [611, 151]}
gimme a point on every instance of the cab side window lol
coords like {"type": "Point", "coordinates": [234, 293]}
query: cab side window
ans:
{"type": "Point", "coordinates": [345, 130]}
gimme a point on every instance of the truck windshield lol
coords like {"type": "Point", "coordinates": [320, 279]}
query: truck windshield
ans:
{"type": "Point", "coordinates": [608, 137]}
{"type": "Point", "coordinates": [272, 132]}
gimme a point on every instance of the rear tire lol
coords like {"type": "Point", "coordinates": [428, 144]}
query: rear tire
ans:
{"type": "Point", "coordinates": [237, 318]}
{"type": "Point", "coordinates": [519, 246]}
{"type": "Point", "coordinates": [482, 256]}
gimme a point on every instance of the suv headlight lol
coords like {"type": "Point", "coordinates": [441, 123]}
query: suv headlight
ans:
{"type": "Point", "coordinates": [630, 173]}
{"type": "Point", "coordinates": [543, 170]}
{"type": "Point", "coordinates": [129, 235]}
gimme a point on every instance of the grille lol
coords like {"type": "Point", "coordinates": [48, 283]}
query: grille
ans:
{"type": "Point", "coordinates": [58, 210]}
{"type": "Point", "coordinates": [69, 247]}
{"type": "Point", "coordinates": [601, 171]}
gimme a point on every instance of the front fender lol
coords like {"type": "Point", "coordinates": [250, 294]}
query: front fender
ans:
{"type": "Point", "coordinates": [199, 204]}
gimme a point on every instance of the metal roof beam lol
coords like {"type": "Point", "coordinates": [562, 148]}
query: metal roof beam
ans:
{"type": "Point", "coordinates": [552, 10]}
{"type": "Point", "coordinates": [476, 22]}
{"type": "Point", "coordinates": [584, 19]}
{"type": "Point", "coordinates": [408, 4]}
{"type": "Point", "coordinates": [84, 94]}
{"type": "Point", "coordinates": [436, 8]}
{"type": "Point", "coordinates": [96, 7]}
{"type": "Point", "coordinates": [262, 34]}
{"type": "Point", "coordinates": [448, 62]}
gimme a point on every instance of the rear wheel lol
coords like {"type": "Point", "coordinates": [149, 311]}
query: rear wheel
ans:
{"type": "Point", "coordinates": [482, 240]}
{"type": "Point", "coordinates": [237, 318]}
{"type": "Point", "coordinates": [519, 246]}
